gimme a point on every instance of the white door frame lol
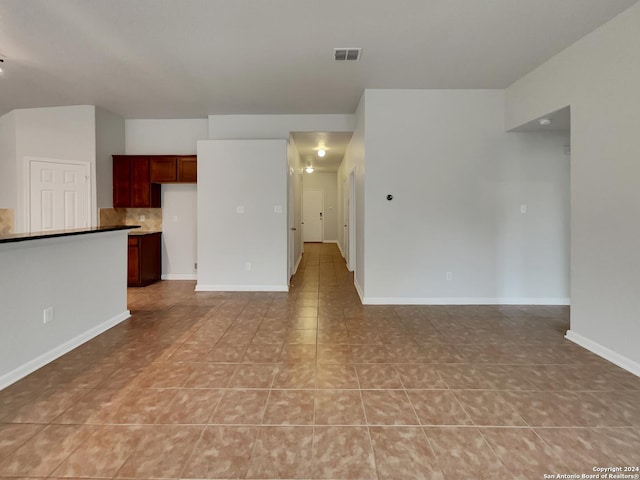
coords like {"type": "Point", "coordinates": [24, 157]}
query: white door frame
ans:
{"type": "Point", "coordinates": [351, 194]}
{"type": "Point", "coordinates": [290, 222]}
{"type": "Point", "coordinates": [28, 161]}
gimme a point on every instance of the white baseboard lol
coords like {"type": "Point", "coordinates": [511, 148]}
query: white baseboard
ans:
{"type": "Point", "coordinates": [329, 241]}
{"type": "Point", "coordinates": [358, 289]}
{"type": "Point", "coordinates": [180, 276]}
{"type": "Point", "coordinates": [48, 357]}
{"type": "Point", "coordinates": [462, 301]}
{"type": "Point", "coordinates": [242, 288]}
{"type": "Point", "coordinates": [604, 352]}
{"type": "Point", "coordinates": [340, 248]}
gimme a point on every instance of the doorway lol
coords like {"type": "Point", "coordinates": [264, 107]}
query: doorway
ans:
{"type": "Point", "coordinates": [59, 195]}
{"type": "Point", "coordinates": [312, 215]}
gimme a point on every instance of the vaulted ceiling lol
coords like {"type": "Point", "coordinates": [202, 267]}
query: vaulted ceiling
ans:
{"type": "Point", "coordinates": [191, 58]}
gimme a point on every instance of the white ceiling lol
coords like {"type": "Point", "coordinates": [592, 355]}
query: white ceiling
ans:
{"type": "Point", "coordinates": [191, 58]}
{"type": "Point", "coordinates": [334, 143]}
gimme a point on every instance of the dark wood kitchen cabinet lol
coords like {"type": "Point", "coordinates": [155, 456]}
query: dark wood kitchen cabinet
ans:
{"type": "Point", "coordinates": [163, 169]}
{"type": "Point", "coordinates": [132, 185]}
{"type": "Point", "coordinates": [144, 259]}
{"type": "Point", "coordinates": [174, 169]}
{"type": "Point", "coordinates": [188, 169]}
{"type": "Point", "coordinates": [121, 181]}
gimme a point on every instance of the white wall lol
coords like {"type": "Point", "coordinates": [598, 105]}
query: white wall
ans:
{"type": "Point", "coordinates": [458, 181]}
{"type": "Point", "coordinates": [179, 237]}
{"type": "Point", "coordinates": [598, 77]}
{"type": "Point", "coordinates": [8, 172]}
{"type": "Point", "coordinates": [110, 140]}
{"type": "Point", "coordinates": [179, 231]}
{"type": "Point", "coordinates": [280, 126]}
{"type": "Point", "coordinates": [82, 277]}
{"type": "Point", "coordinates": [57, 133]}
{"type": "Point", "coordinates": [328, 183]}
{"type": "Point", "coordinates": [275, 126]}
{"type": "Point", "coordinates": [251, 174]}
{"type": "Point", "coordinates": [354, 161]}
{"type": "Point", "coordinates": [294, 187]}
{"type": "Point", "coordinates": [164, 137]}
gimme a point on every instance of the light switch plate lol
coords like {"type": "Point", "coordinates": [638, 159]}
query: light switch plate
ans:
{"type": "Point", "coordinates": [277, 209]}
{"type": "Point", "coordinates": [239, 209]}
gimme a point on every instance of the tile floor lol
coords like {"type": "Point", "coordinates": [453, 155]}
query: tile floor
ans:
{"type": "Point", "coordinates": [311, 384]}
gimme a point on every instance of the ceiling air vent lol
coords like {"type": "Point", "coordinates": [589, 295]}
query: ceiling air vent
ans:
{"type": "Point", "coordinates": [347, 54]}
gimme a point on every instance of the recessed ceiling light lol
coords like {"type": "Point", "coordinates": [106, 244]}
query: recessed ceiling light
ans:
{"type": "Point", "coordinates": [321, 153]}
{"type": "Point", "coordinates": [309, 169]}
{"type": "Point", "coordinates": [544, 121]}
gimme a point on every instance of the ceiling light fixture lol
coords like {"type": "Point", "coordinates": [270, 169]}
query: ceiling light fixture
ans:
{"type": "Point", "coordinates": [544, 121]}
{"type": "Point", "coordinates": [309, 169]}
{"type": "Point", "coordinates": [322, 152]}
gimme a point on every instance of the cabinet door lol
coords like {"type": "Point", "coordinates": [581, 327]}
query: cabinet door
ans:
{"type": "Point", "coordinates": [163, 169]}
{"type": "Point", "coordinates": [140, 183]}
{"type": "Point", "coordinates": [188, 169]}
{"type": "Point", "coordinates": [133, 263]}
{"type": "Point", "coordinates": [121, 181]}
{"type": "Point", "coordinates": [150, 258]}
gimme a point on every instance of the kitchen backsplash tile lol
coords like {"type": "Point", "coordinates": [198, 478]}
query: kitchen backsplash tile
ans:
{"type": "Point", "coordinates": [152, 221]}
{"type": "Point", "coordinates": [6, 221]}
{"type": "Point", "coordinates": [112, 216]}
{"type": "Point", "coordinates": [131, 216]}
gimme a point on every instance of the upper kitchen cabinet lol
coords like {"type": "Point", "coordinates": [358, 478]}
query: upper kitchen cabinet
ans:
{"type": "Point", "coordinates": [121, 181]}
{"type": "Point", "coordinates": [188, 169]}
{"type": "Point", "coordinates": [173, 169]}
{"type": "Point", "coordinates": [163, 169]}
{"type": "Point", "coordinates": [132, 185]}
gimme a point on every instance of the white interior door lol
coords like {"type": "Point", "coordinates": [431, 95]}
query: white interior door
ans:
{"type": "Point", "coordinates": [58, 196]}
{"type": "Point", "coordinates": [312, 212]}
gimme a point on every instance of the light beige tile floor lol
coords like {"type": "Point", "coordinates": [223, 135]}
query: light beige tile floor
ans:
{"type": "Point", "coordinates": [311, 384]}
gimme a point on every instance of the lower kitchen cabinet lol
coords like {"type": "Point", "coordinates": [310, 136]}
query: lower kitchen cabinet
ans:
{"type": "Point", "coordinates": [144, 259]}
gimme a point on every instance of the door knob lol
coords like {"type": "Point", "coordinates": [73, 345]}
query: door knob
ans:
{"type": "Point", "coordinates": [294, 228]}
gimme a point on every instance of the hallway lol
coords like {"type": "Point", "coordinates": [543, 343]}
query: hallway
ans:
{"type": "Point", "coordinates": [311, 384]}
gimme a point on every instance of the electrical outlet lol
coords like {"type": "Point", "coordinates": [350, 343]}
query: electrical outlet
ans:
{"type": "Point", "coordinates": [247, 266]}
{"type": "Point", "coordinates": [523, 208]}
{"type": "Point", "coordinates": [47, 315]}
{"type": "Point", "coordinates": [142, 218]}
{"type": "Point", "coordinates": [449, 276]}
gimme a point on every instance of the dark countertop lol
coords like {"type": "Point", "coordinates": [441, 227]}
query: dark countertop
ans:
{"type": "Point", "coordinates": [144, 232]}
{"type": "Point", "coordinates": [21, 237]}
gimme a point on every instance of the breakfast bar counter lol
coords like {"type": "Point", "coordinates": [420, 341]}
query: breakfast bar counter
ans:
{"type": "Point", "coordinates": [58, 289]}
